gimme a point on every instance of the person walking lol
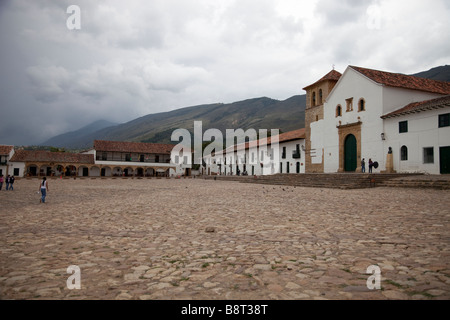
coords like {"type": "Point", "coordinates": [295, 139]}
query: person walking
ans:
{"type": "Point", "coordinates": [11, 183]}
{"type": "Point", "coordinates": [43, 188]}
{"type": "Point", "coordinates": [1, 182]}
{"type": "Point", "coordinates": [370, 165]}
{"type": "Point", "coordinates": [7, 182]}
{"type": "Point", "coordinates": [363, 165]}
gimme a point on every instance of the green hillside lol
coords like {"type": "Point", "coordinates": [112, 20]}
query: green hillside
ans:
{"type": "Point", "coordinates": [259, 113]}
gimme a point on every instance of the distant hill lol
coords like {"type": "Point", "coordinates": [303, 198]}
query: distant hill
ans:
{"type": "Point", "coordinates": [67, 140]}
{"type": "Point", "coordinates": [438, 73]}
{"type": "Point", "coordinates": [258, 113]}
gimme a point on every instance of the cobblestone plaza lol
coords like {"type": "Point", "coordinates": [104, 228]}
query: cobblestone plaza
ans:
{"type": "Point", "coordinates": [204, 239]}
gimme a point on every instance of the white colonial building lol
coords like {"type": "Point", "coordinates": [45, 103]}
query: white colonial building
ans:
{"type": "Point", "coordinates": [363, 112]}
{"type": "Point", "coordinates": [6, 152]}
{"type": "Point", "coordinates": [120, 158]}
{"type": "Point", "coordinates": [284, 153]}
{"type": "Point", "coordinates": [105, 159]}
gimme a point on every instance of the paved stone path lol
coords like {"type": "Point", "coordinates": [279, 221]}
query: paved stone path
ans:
{"type": "Point", "coordinates": [205, 239]}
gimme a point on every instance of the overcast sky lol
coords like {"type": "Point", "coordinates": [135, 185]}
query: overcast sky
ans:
{"type": "Point", "coordinates": [135, 57]}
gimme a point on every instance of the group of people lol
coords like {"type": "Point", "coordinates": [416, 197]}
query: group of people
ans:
{"type": "Point", "coordinates": [9, 182]}
{"type": "Point", "coordinates": [363, 165]}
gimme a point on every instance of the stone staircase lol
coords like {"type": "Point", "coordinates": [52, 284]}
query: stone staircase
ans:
{"type": "Point", "coordinates": [340, 180]}
{"type": "Point", "coordinates": [436, 182]}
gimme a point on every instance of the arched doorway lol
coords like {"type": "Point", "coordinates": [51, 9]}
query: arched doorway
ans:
{"type": "Point", "coordinates": [350, 153]}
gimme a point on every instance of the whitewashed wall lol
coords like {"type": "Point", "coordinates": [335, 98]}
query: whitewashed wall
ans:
{"type": "Point", "coordinates": [423, 132]}
{"type": "Point", "coordinates": [379, 100]}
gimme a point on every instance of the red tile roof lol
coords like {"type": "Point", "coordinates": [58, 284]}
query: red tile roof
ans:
{"type": "Point", "coordinates": [415, 107]}
{"type": "Point", "coordinates": [5, 150]}
{"type": "Point", "coordinates": [292, 135]}
{"type": "Point", "coordinates": [283, 137]}
{"type": "Point", "coordinates": [132, 147]}
{"type": "Point", "coordinates": [399, 80]}
{"type": "Point", "coordinates": [333, 75]}
{"type": "Point", "coordinates": [47, 156]}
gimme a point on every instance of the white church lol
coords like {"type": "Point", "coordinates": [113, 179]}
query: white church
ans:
{"type": "Point", "coordinates": [364, 113]}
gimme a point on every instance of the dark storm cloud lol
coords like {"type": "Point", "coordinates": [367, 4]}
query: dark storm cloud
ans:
{"type": "Point", "coordinates": [131, 58]}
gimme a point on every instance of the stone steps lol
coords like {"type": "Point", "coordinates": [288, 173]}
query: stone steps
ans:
{"type": "Point", "coordinates": [417, 183]}
{"type": "Point", "coordinates": [336, 181]}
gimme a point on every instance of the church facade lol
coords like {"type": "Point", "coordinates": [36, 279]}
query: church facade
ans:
{"type": "Point", "coordinates": [398, 121]}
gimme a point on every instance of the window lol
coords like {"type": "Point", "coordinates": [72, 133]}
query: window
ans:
{"type": "Point", "coordinates": [320, 96]}
{"type": "Point", "coordinates": [349, 104]}
{"type": "Point", "coordinates": [281, 167]}
{"type": "Point", "coordinates": [296, 152]}
{"type": "Point", "coordinates": [404, 153]}
{"type": "Point", "coordinates": [104, 156]}
{"type": "Point", "coordinates": [428, 155]}
{"type": "Point", "coordinates": [156, 159]}
{"type": "Point", "coordinates": [338, 111]}
{"type": "Point", "coordinates": [283, 155]}
{"type": "Point", "coordinates": [403, 126]}
{"type": "Point", "coordinates": [361, 105]}
{"type": "Point", "coordinates": [314, 99]}
{"type": "Point", "coordinates": [287, 167]}
{"type": "Point", "coordinates": [444, 120]}
{"type": "Point", "coordinates": [16, 171]}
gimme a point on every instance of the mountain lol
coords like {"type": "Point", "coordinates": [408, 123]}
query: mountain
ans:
{"type": "Point", "coordinates": [439, 73]}
{"type": "Point", "coordinates": [258, 113]}
{"type": "Point", "coordinates": [67, 139]}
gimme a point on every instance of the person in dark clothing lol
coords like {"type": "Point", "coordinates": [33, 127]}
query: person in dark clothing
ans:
{"type": "Point", "coordinates": [370, 165]}
{"type": "Point", "coordinates": [7, 182]}
{"type": "Point", "coordinates": [11, 183]}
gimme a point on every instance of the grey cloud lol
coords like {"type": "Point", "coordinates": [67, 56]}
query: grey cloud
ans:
{"type": "Point", "coordinates": [134, 57]}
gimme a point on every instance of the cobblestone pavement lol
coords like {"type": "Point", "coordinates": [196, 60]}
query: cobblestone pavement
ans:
{"type": "Point", "coordinates": [205, 239]}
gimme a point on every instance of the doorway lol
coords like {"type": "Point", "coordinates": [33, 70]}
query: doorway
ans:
{"type": "Point", "coordinates": [444, 160]}
{"type": "Point", "coordinates": [350, 153]}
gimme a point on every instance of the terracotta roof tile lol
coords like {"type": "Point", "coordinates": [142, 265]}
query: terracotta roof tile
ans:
{"type": "Point", "coordinates": [132, 147]}
{"type": "Point", "coordinates": [333, 75]}
{"type": "Point", "coordinates": [47, 156]}
{"type": "Point", "coordinates": [399, 80]}
{"type": "Point", "coordinates": [5, 150]}
{"type": "Point", "coordinates": [414, 107]}
{"type": "Point", "coordinates": [283, 137]}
